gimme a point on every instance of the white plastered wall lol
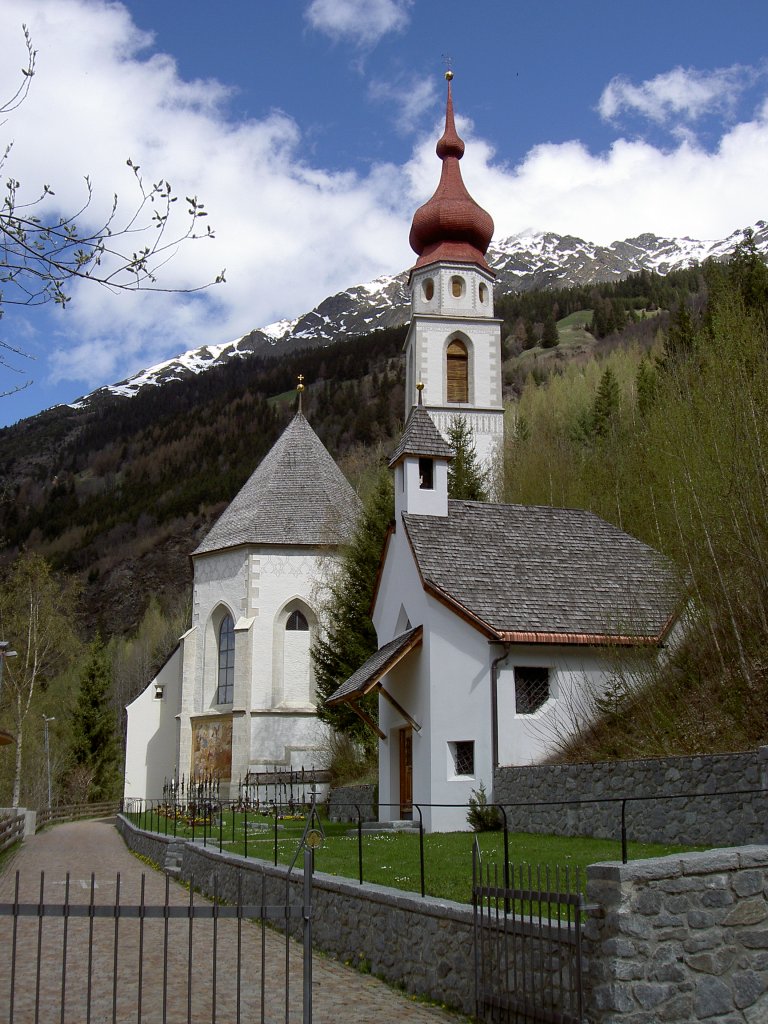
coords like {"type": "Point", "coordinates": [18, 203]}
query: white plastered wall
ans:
{"type": "Point", "coordinates": [446, 686]}
{"type": "Point", "coordinates": [435, 322]}
{"type": "Point", "coordinates": [576, 676]}
{"type": "Point", "coordinates": [258, 586]}
{"type": "Point", "coordinates": [150, 744]}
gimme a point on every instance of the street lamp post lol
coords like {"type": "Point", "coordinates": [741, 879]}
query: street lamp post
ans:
{"type": "Point", "coordinates": [5, 737]}
{"type": "Point", "coordinates": [46, 720]}
{"type": "Point", "coordinates": [5, 653]}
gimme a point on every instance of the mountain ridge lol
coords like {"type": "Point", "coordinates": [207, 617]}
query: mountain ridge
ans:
{"type": "Point", "coordinates": [524, 262]}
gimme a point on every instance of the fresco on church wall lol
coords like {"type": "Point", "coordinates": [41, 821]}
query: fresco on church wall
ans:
{"type": "Point", "coordinates": [212, 747]}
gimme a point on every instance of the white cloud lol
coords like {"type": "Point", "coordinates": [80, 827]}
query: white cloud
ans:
{"type": "Point", "coordinates": [632, 188]}
{"type": "Point", "coordinates": [289, 232]}
{"type": "Point", "coordinates": [682, 93]}
{"type": "Point", "coordinates": [361, 21]}
{"type": "Point", "coordinates": [99, 97]}
{"type": "Point", "coordinates": [410, 96]}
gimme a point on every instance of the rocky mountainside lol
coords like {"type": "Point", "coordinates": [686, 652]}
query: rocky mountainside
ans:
{"type": "Point", "coordinates": [526, 262]}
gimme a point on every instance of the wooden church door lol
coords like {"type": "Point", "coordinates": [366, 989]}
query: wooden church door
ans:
{"type": "Point", "coordinates": [406, 773]}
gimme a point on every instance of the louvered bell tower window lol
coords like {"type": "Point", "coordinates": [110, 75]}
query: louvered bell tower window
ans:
{"type": "Point", "coordinates": [296, 621]}
{"type": "Point", "coordinates": [457, 376]}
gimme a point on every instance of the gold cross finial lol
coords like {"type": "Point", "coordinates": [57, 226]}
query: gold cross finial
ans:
{"type": "Point", "coordinates": [300, 387]}
{"type": "Point", "coordinates": [449, 70]}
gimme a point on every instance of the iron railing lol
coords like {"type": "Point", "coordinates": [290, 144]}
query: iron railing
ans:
{"type": "Point", "coordinates": [527, 943]}
{"type": "Point", "coordinates": [207, 822]}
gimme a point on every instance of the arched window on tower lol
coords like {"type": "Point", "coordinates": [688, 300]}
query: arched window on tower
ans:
{"type": "Point", "coordinates": [457, 376]}
{"type": "Point", "coordinates": [226, 688]}
{"type": "Point", "coordinates": [297, 621]}
{"type": "Point", "coordinates": [293, 681]}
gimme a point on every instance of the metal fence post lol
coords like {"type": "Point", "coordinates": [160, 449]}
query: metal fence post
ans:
{"type": "Point", "coordinates": [359, 843]}
{"type": "Point", "coordinates": [307, 916]}
{"type": "Point", "coordinates": [421, 849]}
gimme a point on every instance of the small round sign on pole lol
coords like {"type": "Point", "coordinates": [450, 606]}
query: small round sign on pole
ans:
{"type": "Point", "coordinates": [314, 839]}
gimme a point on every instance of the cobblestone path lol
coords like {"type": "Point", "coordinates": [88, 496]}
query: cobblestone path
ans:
{"type": "Point", "coordinates": [340, 994]}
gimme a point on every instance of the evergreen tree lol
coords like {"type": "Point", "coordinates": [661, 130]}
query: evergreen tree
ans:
{"type": "Point", "coordinates": [645, 385]}
{"type": "Point", "coordinates": [531, 340]}
{"type": "Point", "coordinates": [349, 637]}
{"type": "Point", "coordinates": [467, 480]}
{"type": "Point", "coordinates": [606, 405]}
{"type": "Point", "coordinates": [681, 337]}
{"type": "Point", "coordinates": [94, 745]}
{"type": "Point", "coordinates": [748, 273]}
{"type": "Point", "coordinates": [549, 336]}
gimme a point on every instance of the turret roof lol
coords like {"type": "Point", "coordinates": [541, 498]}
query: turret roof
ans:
{"type": "Point", "coordinates": [296, 496]}
{"type": "Point", "coordinates": [421, 437]}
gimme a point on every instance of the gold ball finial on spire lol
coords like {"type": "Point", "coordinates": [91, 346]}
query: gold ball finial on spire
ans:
{"type": "Point", "coordinates": [449, 75]}
{"type": "Point", "coordinates": [420, 388]}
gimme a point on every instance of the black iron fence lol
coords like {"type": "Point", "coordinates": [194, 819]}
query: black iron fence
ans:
{"type": "Point", "coordinates": [206, 823]}
{"type": "Point", "coordinates": [527, 943]}
{"type": "Point", "coordinates": [277, 787]}
{"type": "Point", "coordinates": [94, 952]}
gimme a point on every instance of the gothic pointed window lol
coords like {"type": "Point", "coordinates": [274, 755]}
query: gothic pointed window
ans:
{"type": "Point", "coordinates": [226, 688]}
{"type": "Point", "coordinates": [457, 372]}
{"type": "Point", "coordinates": [293, 685]}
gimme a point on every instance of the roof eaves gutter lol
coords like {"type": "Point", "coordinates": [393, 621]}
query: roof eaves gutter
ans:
{"type": "Point", "coordinates": [580, 639]}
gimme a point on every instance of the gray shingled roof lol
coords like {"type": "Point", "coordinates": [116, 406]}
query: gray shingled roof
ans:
{"type": "Point", "coordinates": [297, 495]}
{"type": "Point", "coordinates": [524, 569]}
{"type": "Point", "coordinates": [379, 663]}
{"type": "Point", "coordinates": [421, 437]}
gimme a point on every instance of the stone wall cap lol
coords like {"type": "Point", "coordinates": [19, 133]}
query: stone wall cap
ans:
{"type": "Point", "coordinates": [753, 856]}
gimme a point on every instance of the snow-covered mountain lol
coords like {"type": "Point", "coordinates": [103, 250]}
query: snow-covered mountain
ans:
{"type": "Point", "coordinates": [522, 262]}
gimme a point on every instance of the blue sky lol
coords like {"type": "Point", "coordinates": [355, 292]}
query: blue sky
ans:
{"type": "Point", "coordinates": [308, 129]}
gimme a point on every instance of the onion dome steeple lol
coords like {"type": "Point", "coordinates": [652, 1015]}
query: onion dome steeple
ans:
{"type": "Point", "coordinates": [451, 225]}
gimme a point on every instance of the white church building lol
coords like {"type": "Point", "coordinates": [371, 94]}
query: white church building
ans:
{"type": "Point", "coordinates": [237, 694]}
{"type": "Point", "coordinates": [497, 624]}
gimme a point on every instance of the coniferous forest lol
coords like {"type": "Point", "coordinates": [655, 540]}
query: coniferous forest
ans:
{"type": "Point", "coordinates": [646, 404]}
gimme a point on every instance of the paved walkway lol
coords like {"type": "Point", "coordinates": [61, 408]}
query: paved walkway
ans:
{"type": "Point", "coordinates": [341, 995]}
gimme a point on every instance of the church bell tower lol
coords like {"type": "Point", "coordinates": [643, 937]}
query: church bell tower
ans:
{"type": "Point", "coordinates": [453, 346]}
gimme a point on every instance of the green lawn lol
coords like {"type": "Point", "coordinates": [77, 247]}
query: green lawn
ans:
{"type": "Point", "coordinates": [391, 858]}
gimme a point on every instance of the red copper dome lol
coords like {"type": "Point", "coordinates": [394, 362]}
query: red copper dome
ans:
{"type": "Point", "coordinates": [451, 225]}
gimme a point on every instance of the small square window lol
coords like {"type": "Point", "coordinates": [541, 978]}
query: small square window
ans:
{"type": "Point", "coordinates": [463, 755]}
{"type": "Point", "coordinates": [159, 691]}
{"type": "Point", "coordinates": [531, 689]}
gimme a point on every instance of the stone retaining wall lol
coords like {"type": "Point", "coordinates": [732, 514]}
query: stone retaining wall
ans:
{"type": "Point", "coordinates": [423, 944]}
{"type": "Point", "coordinates": [679, 939]}
{"type": "Point", "coordinates": [343, 803]}
{"type": "Point", "coordinates": [703, 819]}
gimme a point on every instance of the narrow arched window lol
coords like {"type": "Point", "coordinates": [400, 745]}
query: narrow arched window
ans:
{"type": "Point", "coordinates": [297, 621]}
{"type": "Point", "coordinates": [457, 372]}
{"type": "Point", "coordinates": [226, 688]}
